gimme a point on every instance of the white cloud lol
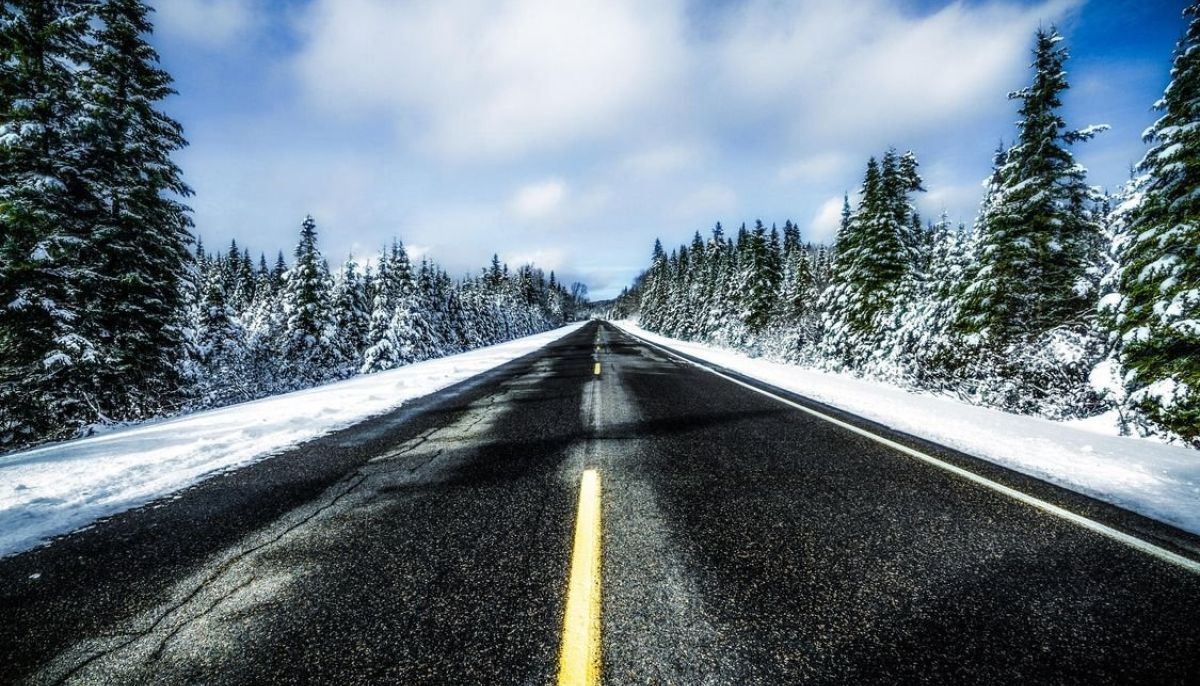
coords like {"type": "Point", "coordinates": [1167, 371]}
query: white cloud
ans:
{"type": "Point", "coordinates": [959, 201]}
{"type": "Point", "coordinates": [706, 202]}
{"type": "Point", "coordinates": [209, 23]}
{"type": "Point", "coordinates": [540, 199]}
{"type": "Point", "coordinates": [650, 127]}
{"type": "Point", "coordinates": [549, 259]}
{"type": "Point", "coordinates": [820, 167]}
{"type": "Point", "coordinates": [661, 160]}
{"type": "Point", "coordinates": [850, 71]}
{"type": "Point", "coordinates": [471, 78]}
{"type": "Point", "coordinates": [825, 223]}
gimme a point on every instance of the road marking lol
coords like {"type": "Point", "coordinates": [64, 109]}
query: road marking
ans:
{"type": "Point", "coordinates": [1050, 508]}
{"type": "Point", "coordinates": [596, 369]}
{"type": "Point", "coordinates": [579, 659]}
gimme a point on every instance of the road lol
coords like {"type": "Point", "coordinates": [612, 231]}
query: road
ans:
{"type": "Point", "coordinates": [743, 541]}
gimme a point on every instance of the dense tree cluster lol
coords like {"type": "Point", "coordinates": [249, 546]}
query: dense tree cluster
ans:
{"type": "Point", "coordinates": [254, 330]}
{"type": "Point", "coordinates": [1059, 301]}
{"type": "Point", "coordinates": [92, 237]}
{"type": "Point", "coordinates": [105, 314]}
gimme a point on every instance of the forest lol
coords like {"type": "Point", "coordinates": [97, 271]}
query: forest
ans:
{"type": "Point", "coordinates": [1060, 300]}
{"type": "Point", "coordinates": [112, 312]}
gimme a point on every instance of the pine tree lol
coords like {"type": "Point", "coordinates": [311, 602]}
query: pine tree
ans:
{"type": "Point", "coordinates": [1158, 317]}
{"type": "Point", "coordinates": [220, 346]}
{"type": "Point", "coordinates": [139, 235]}
{"type": "Point", "coordinates": [795, 293]}
{"type": "Point", "coordinates": [654, 295]}
{"type": "Point", "coordinates": [308, 348]}
{"type": "Point", "coordinates": [760, 278]}
{"type": "Point", "coordinates": [1038, 235]}
{"type": "Point", "coordinates": [352, 315]}
{"type": "Point", "coordinates": [42, 42]}
{"type": "Point", "coordinates": [872, 258]}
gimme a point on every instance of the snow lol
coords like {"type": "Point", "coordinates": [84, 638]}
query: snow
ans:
{"type": "Point", "coordinates": [1156, 480]}
{"type": "Point", "coordinates": [63, 487]}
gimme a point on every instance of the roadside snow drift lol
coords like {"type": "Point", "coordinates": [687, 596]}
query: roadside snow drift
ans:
{"type": "Point", "coordinates": [59, 488]}
{"type": "Point", "coordinates": [1156, 480]}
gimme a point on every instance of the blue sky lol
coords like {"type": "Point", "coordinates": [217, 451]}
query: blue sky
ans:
{"type": "Point", "coordinates": [571, 134]}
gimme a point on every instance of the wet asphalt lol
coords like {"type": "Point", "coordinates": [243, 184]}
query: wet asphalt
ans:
{"type": "Point", "coordinates": [744, 542]}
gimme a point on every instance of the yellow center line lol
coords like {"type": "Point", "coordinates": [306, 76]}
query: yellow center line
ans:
{"type": "Point", "coordinates": [579, 659]}
{"type": "Point", "coordinates": [596, 369]}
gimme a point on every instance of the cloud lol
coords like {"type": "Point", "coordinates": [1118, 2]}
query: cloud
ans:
{"type": "Point", "coordinates": [549, 259]}
{"type": "Point", "coordinates": [440, 121]}
{"type": "Point", "coordinates": [538, 200]}
{"type": "Point", "coordinates": [661, 160]}
{"type": "Point", "coordinates": [211, 24]}
{"type": "Point", "coordinates": [706, 202]}
{"type": "Point", "coordinates": [476, 78]}
{"type": "Point", "coordinates": [825, 223]}
{"type": "Point", "coordinates": [869, 70]}
{"type": "Point", "coordinates": [820, 167]}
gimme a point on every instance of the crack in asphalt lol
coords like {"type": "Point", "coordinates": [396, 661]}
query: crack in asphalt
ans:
{"type": "Point", "coordinates": [216, 573]}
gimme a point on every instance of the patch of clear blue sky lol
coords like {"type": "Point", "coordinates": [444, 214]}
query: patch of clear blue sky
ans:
{"type": "Point", "coordinates": [1120, 49]}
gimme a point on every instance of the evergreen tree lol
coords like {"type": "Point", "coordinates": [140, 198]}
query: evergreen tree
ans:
{"type": "Point", "coordinates": [220, 346]}
{"type": "Point", "coordinates": [654, 296]}
{"type": "Point", "coordinates": [1038, 236]}
{"type": "Point", "coordinates": [42, 227]}
{"type": "Point", "coordinates": [1158, 316]}
{"type": "Point", "coordinates": [872, 258]}
{"type": "Point", "coordinates": [308, 348]}
{"type": "Point", "coordinates": [138, 238]}
{"type": "Point", "coordinates": [760, 277]}
{"type": "Point", "coordinates": [352, 315]}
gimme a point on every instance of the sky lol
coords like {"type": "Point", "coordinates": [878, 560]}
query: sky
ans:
{"type": "Point", "coordinates": [572, 133]}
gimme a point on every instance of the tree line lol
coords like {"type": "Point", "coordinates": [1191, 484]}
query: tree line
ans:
{"type": "Point", "coordinates": [253, 330]}
{"type": "Point", "coordinates": [1059, 301]}
{"type": "Point", "coordinates": [107, 313]}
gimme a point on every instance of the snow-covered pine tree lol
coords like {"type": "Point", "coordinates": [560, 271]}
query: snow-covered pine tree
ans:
{"type": "Point", "coordinates": [426, 340]}
{"type": "Point", "coordinates": [792, 299]}
{"type": "Point", "coordinates": [392, 290]}
{"type": "Point", "coordinates": [871, 259]}
{"type": "Point", "coordinates": [654, 294]}
{"type": "Point", "coordinates": [137, 246]}
{"type": "Point", "coordinates": [220, 343]}
{"type": "Point", "coordinates": [266, 334]}
{"type": "Point", "coordinates": [308, 349]}
{"type": "Point", "coordinates": [1158, 316]}
{"type": "Point", "coordinates": [352, 315]}
{"type": "Point", "coordinates": [760, 278]}
{"type": "Point", "coordinates": [41, 224]}
{"type": "Point", "coordinates": [711, 309]}
{"type": "Point", "coordinates": [922, 348]}
{"type": "Point", "coordinates": [1039, 233]}
{"type": "Point", "coordinates": [677, 291]}
{"type": "Point", "coordinates": [693, 307]}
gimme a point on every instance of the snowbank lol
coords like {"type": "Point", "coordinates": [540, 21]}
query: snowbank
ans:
{"type": "Point", "coordinates": [59, 488]}
{"type": "Point", "coordinates": [1156, 480]}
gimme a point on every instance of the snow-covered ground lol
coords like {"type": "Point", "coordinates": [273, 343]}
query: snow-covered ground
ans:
{"type": "Point", "coordinates": [62, 487]}
{"type": "Point", "coordinates": [1156, 480]}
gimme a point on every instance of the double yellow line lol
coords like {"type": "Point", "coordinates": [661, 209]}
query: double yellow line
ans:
{"type": "Point", "coordinates": [579, 659]}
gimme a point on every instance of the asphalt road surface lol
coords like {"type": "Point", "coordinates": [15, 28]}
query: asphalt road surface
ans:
{"type": "Point", "coordinates": [743, 541]}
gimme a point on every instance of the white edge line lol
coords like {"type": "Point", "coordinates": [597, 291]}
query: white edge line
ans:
{"type": "Point", "coordinates": [1090, 524]}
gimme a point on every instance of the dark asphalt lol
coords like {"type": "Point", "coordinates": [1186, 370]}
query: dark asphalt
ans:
{"type": "Point", "coordinates": [744, 542]}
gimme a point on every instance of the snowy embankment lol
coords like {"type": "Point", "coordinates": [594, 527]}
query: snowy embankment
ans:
{"type": "Point", "coordinates": [1156, 480]}
{"type": "Point", "coordinates": [59, 488]}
